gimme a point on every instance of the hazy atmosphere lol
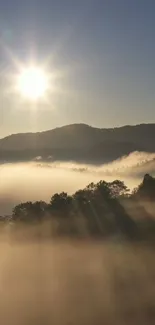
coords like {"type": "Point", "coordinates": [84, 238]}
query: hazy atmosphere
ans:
{"type": "Point", "coordinates": [77, 162]}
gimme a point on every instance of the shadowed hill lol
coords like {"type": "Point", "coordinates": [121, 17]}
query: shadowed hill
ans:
{"type": "Point", "coordinates": [79, 142]}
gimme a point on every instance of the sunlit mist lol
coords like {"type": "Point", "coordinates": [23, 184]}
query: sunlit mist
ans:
{"type": "Point", "coordinates": [39, 180]}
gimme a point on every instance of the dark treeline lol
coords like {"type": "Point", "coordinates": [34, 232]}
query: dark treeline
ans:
{"type": "Point", "coordinates": [99, 210]}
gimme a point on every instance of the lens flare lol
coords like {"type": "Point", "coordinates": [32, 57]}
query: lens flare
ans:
{"type": "Point", "coordinates": [32, 83]}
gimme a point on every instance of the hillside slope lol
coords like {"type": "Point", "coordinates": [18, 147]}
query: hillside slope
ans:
{"type": "Point", "coordinates": [79, 142]}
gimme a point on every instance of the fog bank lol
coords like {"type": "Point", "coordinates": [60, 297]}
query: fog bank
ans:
{"type": "Point", "coordinates": [38, 180]}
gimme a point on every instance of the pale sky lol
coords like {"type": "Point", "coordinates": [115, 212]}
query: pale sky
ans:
{"type": "Point", "coordinates": [104, 51]}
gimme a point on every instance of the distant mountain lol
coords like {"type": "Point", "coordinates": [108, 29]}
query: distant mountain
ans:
{"type": "Point", "coordinates": [79, 142]}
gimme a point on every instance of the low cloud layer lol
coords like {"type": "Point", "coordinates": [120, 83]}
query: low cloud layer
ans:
{"type": "Point", "coordinates": [38, 180]}
{"type": "Point", "coordinates": [67, 283]}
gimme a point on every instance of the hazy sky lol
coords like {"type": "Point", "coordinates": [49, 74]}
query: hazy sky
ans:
{"type": "Point", "coordinates": [104, 49]}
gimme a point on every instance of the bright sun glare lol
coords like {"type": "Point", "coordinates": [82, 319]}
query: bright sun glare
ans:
{"type": "Point", "coordinates": [33, 83]}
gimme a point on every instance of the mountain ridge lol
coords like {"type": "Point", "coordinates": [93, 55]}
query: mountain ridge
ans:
{"type": "Point", "coordinates": [79, 142]}
{"type": "Point", "coordinates": [82, 124]}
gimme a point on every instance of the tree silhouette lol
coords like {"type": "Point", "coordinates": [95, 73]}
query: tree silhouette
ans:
{"type": "Point", "coordinates": [101, 205]}
{"type": "Point", "coordinates": [61, 204]}
{"type": "Point", "coordinates": [146, 189]}
{"type": "Point", "coordinates": [29, 212]}
{"type": "Point", "coordinates": [118, 189]}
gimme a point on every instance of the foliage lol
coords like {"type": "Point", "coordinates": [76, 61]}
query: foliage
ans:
{"type": "Point", "coordinates": [29, 211]}
{"type": "Point", "coordinates": [101, 206]}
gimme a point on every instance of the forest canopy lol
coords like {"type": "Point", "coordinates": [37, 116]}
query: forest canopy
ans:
{"type": "Point", "coordinates": [101, 210]}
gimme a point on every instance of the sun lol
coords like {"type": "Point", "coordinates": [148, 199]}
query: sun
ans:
{"type": "Point", "coordinates": [32, 83]}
